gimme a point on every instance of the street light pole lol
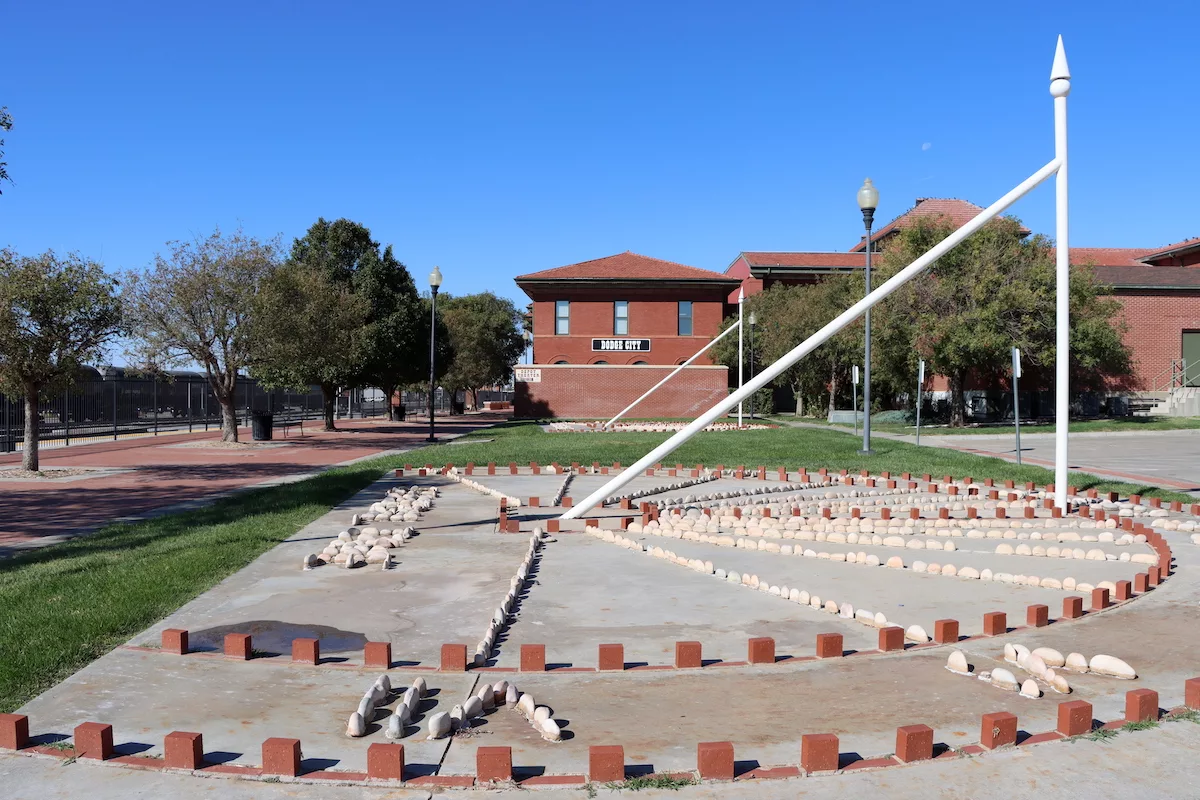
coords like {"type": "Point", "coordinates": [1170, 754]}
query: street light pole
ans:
{"type": "Point", "coordinates": [435, 282]}
{"type": "Point", "coordinates": [868, 201]}
{"type": "Point", "coordinates": [751, 320]}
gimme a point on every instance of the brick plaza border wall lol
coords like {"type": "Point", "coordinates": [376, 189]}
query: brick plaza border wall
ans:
{"type": "Point", "coordinates": [598, 391]}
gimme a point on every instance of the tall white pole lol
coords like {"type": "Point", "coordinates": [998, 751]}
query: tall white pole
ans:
{"type": "Point", "coordinates": [811, 343]}
{"type": "Point", "coordinates": [1060, 87]}
{"type": "Point", "coordinates": [741, 303]}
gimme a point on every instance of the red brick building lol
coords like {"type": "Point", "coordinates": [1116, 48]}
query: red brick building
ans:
{"type": "Point", "coordinates": [606, 330]}
{"type": "Point", "coordinates": [1158, 287]}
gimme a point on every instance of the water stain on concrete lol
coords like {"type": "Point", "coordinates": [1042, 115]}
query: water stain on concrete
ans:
{"type": "Point", "coordinates": [274, 636]}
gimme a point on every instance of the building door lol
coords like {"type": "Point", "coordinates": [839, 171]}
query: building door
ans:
{"type": "Point", "coordinates": [1191, 358]}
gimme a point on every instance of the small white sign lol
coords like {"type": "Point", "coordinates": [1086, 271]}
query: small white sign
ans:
{"type": "Point", "coordinates": [921, 372]}
{"type": "Point", "coordinates": [528, 375]}
{"type": "Point", "coordinates": [855, 378]}
{"type": "Point", "coordinates": [1016, 356]}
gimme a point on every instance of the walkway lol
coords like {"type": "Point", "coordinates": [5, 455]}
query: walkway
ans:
{"type": "Point", "coordinates": [140, 477]}
{"type": "Point", "coordinates": [1168, 459]}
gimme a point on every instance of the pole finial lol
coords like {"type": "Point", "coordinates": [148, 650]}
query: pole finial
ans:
{"type": "Point", "coordinates": [741, 295]}
{"type": "Point", "coordinates": [1060, 73]}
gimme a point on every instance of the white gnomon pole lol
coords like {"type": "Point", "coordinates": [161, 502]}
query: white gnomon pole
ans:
{"type": "Point", "coordinates": [741, 303]}
{"type": "Point", "coordinates": [1060, 87]}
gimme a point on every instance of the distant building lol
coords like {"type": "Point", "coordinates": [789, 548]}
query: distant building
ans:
{"type": "Point", "coordinates": [1159, 288]}
{"type": "Point", "coordinates": [606, 330]}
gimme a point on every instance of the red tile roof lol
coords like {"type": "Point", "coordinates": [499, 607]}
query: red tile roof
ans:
{"type": "Point", "coordinates": [1108, 256]}
{"type": "Point", "coordinates": [957, 212]}
{"type": "Point", "coordinates": [626, 266]}
{"type": "Point", "coordinates": [812, 259]}
{"type": "Point", "coordinates": [1172, 249]}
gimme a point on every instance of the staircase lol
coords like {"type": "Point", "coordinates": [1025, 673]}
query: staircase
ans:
{"type": "Point", "coordinates": [1181, 401]}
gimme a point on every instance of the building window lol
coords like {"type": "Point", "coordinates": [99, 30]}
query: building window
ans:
{"type": "Point", "coordinates": [636, 363]}
{"type": "Point", "coordinates": [561, 361]}
{"type": "Point", "coordinates": [562, 317]}
{"type": "Point", "coordinates": [685, 317]}
{"type": "Point", "coordinates": [621, 318]}
{"type": "Point", "coordinates": [599, 362]}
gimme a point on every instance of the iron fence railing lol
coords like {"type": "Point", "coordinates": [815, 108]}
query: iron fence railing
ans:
{"type": "Point", "coordinates": [117, 408]}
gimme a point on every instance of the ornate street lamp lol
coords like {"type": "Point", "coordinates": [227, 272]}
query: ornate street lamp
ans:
{"type": "Point", "coordinates": [868, 201]}
{"type": "Point", "coordinates": [435, 282]}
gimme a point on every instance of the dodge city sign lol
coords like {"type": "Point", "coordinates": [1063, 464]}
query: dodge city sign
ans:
{"type": "Point", "coordinates": [621, 345]}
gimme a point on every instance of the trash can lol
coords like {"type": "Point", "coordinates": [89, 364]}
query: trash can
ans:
{"type": "Point", "coordinates": [398, 412]}
{"type": "Point", "coordinates": [261, 426]}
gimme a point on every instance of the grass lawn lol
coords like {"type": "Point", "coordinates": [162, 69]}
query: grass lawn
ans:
{"type": "Point", "coordinates": [67, 604]}
{"type": "Point", "coordinates": [1079, 426]}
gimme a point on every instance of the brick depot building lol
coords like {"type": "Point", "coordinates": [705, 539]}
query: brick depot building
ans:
{"type": "Point", "coordinates": [605, 331]}
{"type": "Point", "coordinates": [1159, 288]}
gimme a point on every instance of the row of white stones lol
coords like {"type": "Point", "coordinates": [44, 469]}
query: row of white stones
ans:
{"type": "Point", "coordinates": [895, 562]}
{"type": "Point", "coordinates": [503, 613]}
{"type": "Point", "coordinates": [376, 697]}
{"type": "Point", "coordinates": [509, 501]}
{"type": "Point", "coordinates": [845, 610]}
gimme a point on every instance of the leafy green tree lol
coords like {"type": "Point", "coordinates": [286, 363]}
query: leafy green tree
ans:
{"type": "Point", "coordinates": [6, 124]}
{"type": "Point", "coordinates": [391, 345]}
{"type": "Point", "coordinates": [374, 333]}
{"type": "Point", "coordinates": [195, 306]}
{"type": "Point", "coordinates": [993, 292]}
{"type": "Point", "coordinates": [786, 316]}
{"type": "Point", "coordinates": [486, 336]}
{"type": "Point", "coordinates": [56, 315]}
{"type": "Point", "coordinates": [304, 325]}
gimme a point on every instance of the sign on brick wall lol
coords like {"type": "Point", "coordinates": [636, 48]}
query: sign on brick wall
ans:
{"type": "Point", "coordinates": [621, 345]}
{"type": "Point", "coordinates": [528, 375]}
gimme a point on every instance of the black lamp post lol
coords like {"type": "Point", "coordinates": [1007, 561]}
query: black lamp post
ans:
{"type": "Point", "coordinates": [868, 201]}
{"type": "Point", "coordinates": [752, 320]}
{"type": "Point", "coordinates": [435, 282]}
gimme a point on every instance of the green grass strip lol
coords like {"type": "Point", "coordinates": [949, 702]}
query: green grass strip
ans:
{"type": "Point", "coordinates": [65, 605]}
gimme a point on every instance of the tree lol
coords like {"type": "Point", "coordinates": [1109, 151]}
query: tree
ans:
{"type": "Point", "coordinates": [304, 325]}
{"type": "Point", "coordinates": [485, 334]}
{"type": "Point", "coordinates": [6, 124]}
{"type": "Point", "coordinates": [56, 314]}
{"type": "Point", "coordinates": [371, 331]}
{"type": "Point", "coordinates": [393, 339]}
{"type": "Point", "coordinates": [195, 305]}
{"type": "Point", "coordinates": [786, 316]}
{"type": "Point", "coordinates": [992, 292]}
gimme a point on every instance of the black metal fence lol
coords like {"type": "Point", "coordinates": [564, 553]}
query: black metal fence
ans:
{"type": "Point", "coordinates": [118, 408]}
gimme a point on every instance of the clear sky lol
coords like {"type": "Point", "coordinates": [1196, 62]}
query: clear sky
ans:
{"type": "Point", "coordinates": [497, 138]}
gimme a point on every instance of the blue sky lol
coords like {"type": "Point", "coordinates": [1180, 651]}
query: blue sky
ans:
{"type": "Point", "coordinates": [495, 139]}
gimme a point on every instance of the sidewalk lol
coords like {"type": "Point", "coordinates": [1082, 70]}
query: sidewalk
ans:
{"type": "Point", "coordinates": [141, 477]}
{"type": "Point", "coordinates": [1168, 459]}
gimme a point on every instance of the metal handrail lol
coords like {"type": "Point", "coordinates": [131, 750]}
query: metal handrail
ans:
{"type": "Point", "coordinates": [1178, 371]}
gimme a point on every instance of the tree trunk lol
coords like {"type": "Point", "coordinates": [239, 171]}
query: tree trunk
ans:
{"type": "Point", "coordinates": [958, 402]}
{"type": "Point", "coordinates": [328, 397]}
{"type": "Point", "coordinates": [229, 420]}
{"type": "Point", "coordinates": [474, 399]}
{"type": "Point", "coordinates": [29, 453]}
{"type": "Point", "coordinates": [388, 393]}
{"type": "Point", "coordinates": [832, 390]}
{"type": "Point", "coordinates": [799, 403]}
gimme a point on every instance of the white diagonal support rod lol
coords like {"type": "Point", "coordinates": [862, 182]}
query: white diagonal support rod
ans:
{"type": "Point", "coordinates": [674, 372]}
{"type": "Point", "coordinates": [811, 343]}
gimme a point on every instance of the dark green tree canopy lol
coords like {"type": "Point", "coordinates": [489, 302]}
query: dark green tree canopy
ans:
{"type": "Point", "coordinates": [485, 333]}
{"type": "Point", "coordinates": [6, 124]}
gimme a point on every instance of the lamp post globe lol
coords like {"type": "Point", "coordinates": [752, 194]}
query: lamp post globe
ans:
{"type": "Point", "coordinates": [435, 282]}
{"type": "Point", "coordinates": [868, 201]}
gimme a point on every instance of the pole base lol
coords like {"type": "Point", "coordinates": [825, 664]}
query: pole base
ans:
{"type": "Point", "coordinates": [866, 452]}
{"type": "Point", "coordinates": [432, 439]}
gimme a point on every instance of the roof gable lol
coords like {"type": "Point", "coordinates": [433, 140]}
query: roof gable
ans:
{"type": "Point", "coordinates": [626, 266]}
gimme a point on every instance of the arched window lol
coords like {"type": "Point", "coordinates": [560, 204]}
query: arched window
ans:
{"type": "Point", "coordinates": [599, 362]}
{"type": "Point", "coordinates": [642, 363]}
{"type": "Point", "coordinates": [562, 361]}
